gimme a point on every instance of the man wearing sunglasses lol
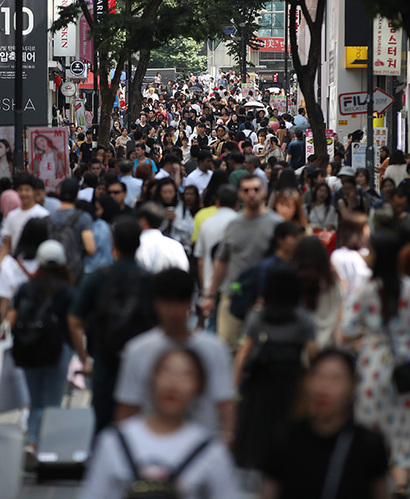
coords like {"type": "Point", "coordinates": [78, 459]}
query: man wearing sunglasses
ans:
{"type": "Point", "coordinates": [245, 243]}
{"type": "Point", "coordinates": [118, 191]}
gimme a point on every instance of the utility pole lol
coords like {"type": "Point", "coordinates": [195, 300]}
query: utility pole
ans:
{"type": "Point", "coordinates": [243, 52]}
{"type": "Point", "coordinates": [286, 79]}
{"type": "Point", "coordinates": [96, 99]}
{"type": "Point", "coordinates": [18, 164]}
{"type": "Point", "coordinates": [370, 146]}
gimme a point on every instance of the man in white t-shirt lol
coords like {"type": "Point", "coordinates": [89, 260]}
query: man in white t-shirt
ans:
{"type": "Point", "coordinates": [157, 252]}
{"type": "Point", "coordinates": [16, 220]}
{"type": "Point", "coordinates": [202, 174]}
{"type": "Point", "coordinates": [172, 290]}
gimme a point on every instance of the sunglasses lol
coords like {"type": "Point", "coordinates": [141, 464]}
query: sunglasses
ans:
{"type": "Point", "coordinates": [114, 192]}
{"type": "Point", "coordinates": [248, 189]}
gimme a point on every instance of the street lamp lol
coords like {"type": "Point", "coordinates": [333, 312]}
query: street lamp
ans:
{"type": "Point", "coordinates": [243, 52]}
{"type": "Point", "coordinates": [18, 89]}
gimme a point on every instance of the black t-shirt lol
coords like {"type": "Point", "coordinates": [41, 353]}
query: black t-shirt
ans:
{"type": "Point", "coordinates": [87, 151]}
{"type": "Point", "coordinates": [300, 462]}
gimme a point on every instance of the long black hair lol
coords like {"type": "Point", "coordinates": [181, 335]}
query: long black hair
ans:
{"type": "Point", "coordinates": [34, 233]}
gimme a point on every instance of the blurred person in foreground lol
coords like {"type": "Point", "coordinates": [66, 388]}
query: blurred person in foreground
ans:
{"type": "Point", "coordinates": [327, 455]}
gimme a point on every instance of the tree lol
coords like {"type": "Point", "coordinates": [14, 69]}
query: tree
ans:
{"type": "Point", "coordinates": [306, 73]}
{"type": "Point", "coordinates": [244, 19]}
{"type": "Point", "coordinates": [179, 53]}
{"type": "Point", "coordinates": [397, 11]}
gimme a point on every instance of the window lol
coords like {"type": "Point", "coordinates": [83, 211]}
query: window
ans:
{"type": "Point", "coordinates": [271, 23]}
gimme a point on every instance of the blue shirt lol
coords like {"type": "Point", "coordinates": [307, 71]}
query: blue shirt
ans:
{"type": "Point", "coordinates": [149, 161]}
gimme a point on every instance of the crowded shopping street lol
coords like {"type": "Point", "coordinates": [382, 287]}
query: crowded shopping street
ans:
{"type": "Point", "coordinates": [204, 269]}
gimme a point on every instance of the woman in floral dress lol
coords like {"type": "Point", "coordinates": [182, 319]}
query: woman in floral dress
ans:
{"type": "Point", "coordinates": [377, 322]}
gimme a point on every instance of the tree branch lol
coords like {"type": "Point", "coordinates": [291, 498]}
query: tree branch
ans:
{"type": "Point", "coordinates": [293, 40]}
{"type": "Point", "coordinates": [86, 13]}
{"type": "Point", "coordinates": [306, 13]}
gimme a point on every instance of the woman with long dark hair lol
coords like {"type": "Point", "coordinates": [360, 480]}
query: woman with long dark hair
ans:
{"type": "Point", "coordinates": [320, 211]}
{"type": "Point", "coordinates": [376, 322]}
{"type": "Point", "coordinates": [6, 159]}
{"type": "Point", "coordinates": [321, 290]}
{"type": "Point", "coordinates": [268, 365]}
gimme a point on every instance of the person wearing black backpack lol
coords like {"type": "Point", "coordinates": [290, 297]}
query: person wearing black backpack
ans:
{"type": "Point", "coordinates": [73, 228]}
{"type": "Point", "coordinates": [117, 303]}
{"type": "Point", "coordinates": [163, 454]}
{"type": "Point", "coordinates": [41, 339]}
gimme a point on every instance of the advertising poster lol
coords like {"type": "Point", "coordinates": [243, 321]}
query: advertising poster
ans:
{"type": "Point", "coordinates": [358, 155]}
{"type": "Point", "coordinates": [387, 48]}
{"type": "Point", "coordinates": [80, 112]}
{"type": "Point", "coordinates": [35, 55]}
{"type": "Point", "coordinates": [48, 154]}
{"type": "Point", "coordinates": [310, 146]}
{"type": "Point", "coordinates": [380, 139]}
{"type": "Point", "coordinates": [246, 88]}
{"type": "Point", "coordinates": [6, 151]}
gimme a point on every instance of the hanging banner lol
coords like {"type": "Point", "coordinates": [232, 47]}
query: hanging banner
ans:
{"type": "Point", "coordinates": [310, 146]}
{"type": "Point", "coordinates": [35, 58]}
{"type": "Point", "coordinates": [86, 44]}
{"type": "Point", "coordinates": [48, 154]}
{"type": "Point", "coordinates": [387, 48]}
{"type": "Point", "coordinates": [80, 112]}
{"type": "Point", "coordinates": [6, 151]}
{"type": "Point", "coordinates": [64, 39]}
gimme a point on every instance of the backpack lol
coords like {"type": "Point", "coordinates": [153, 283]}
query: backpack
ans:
{"type": "Point", "coordinates": [66, 236]}
{"type": "Point", "coordinates": [151, 489]}
{"type": "Point", "coordinates": [37, 333]}
{"type": "Point", "coordinates": [124, 310]}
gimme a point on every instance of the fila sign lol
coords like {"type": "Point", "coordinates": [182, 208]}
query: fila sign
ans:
{"type": "Point", "coordinates": [356, 103]}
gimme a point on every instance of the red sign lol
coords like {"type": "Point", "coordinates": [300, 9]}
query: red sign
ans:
{"type": "Point", "coordinates": [270, 44]}
{"type": "Point", "coordinates": [111, 6]}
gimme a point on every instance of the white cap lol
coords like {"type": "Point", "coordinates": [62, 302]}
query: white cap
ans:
{"type": "Point", "coordinates": [346, 170]}
{"type": "Point", "coordinates": [51, 253]}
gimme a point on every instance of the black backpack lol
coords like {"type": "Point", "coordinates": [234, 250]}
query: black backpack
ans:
{"type": "Point", "coordinates": [124, 310]}
{"type": "Point", "coordinates": [38, 337]}
{"type": "Point", "coordinates": [151, 489]}
{"type": "Point", "coordinates": [66, 236]}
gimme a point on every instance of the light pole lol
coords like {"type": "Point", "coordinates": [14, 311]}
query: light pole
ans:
{"type": "Point", "coordinates": [243, 51]}
{"type": "Point", "coordinates": [286, 79]}
{"type": "Point", "coordinates": [370, 146]}
{"type": "Point", "coordinates": [18, 89]}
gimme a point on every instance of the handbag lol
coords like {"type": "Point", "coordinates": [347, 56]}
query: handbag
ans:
{"type": "Point", "coordinates": [401, 378]}
{"type": "Point", "coordinates": [14, 393]}
{"type": "Point", "coordinates": [327, 238]}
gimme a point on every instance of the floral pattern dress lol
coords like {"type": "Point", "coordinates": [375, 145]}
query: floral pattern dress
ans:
{"type": "Point", "coordinates": [378, 405]}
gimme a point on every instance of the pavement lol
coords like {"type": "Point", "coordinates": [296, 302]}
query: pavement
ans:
{"type": "Point", "coordinates": [68, 489]}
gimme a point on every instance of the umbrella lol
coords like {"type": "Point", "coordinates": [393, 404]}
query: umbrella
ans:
{"type": "Point", "coordinates": [274, 90]}
{"type": "Point", "coordinates": [196, 88]}
{"type": "Point", "coordinates": [255, 104]}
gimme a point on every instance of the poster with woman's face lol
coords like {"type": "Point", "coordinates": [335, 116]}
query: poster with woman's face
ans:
{"type": "Point", "coordinates": [6, 151]}
{"type": "Point", "coordinates": [48, 154]}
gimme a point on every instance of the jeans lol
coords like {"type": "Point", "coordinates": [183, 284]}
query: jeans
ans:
{"type": "Point", "coordinates": [47, 386]}
{"type": "Point", "coordinates": [103, 385]}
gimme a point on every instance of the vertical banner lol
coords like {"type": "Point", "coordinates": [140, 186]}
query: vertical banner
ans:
{"type": "Point", "coordinates": [86, 44]}
{"type": "Point", "coordinates": [6, 151]}
{"type": "Point", "coordinates": [35, 58]}
{"type": "Point", "coordinates": [48, 154]}
{"type": "Point", "coordinates": [387, 48]}
{"type": "Point", "coordinates": [65, 38]}
{"type": "Point", "coordinates": [310, 146]}
{"type": "Point", "coordinates": [246, 88]}
{"type": "Point", "coordinates": [80, 112]}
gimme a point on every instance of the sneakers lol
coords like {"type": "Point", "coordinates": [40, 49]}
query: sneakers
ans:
{"type": "Point", "coordinates": [30, 458]}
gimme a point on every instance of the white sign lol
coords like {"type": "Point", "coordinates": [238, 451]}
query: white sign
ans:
{"type": "Point", "coordinates": [65, 38]}
{"type": "Point", "coordinates": [310, 146]}
{"type": "Point", "coordinates": [380, 135]}
{"type": "Point", "coordinates": [78, 69]}
{"type": "Point", "coordinates": [68, 89]}
{"type": "Point", "coordinates": [387, 48]}
{"type": "Point", "coordinates": [356, 103]}
{"type": "Point", "coordinates": [359, 155]}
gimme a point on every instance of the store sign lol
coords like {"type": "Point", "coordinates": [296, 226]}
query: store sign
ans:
{"type": "Point", "coordinates": [270, 45]}
{"type": "Point", "coordinates": [35, 57]}
{"type": "Point", "coordinates": [64, 39]}
{"type": "Point", "coordinates": [356, 57]}
{"type": "Point", "coordinates": [356, 102]}
{"type": "Point", "coordinates": [387, 48]}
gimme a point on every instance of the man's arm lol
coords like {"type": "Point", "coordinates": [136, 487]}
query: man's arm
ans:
{"type": "Point", "coordinates": [6, 248]}
{"type": "Point", "coordinates": [124, 411]}
{"type": "Point", "coordinates": [201, 273]}
{"type": "Point", "coordinates": [218, 275]}
{"type": "Point", "coordinates": [88, 240]}
{"type": "Point", "coordinates": [76, 329]}
{"type": "Point", "coordinates": [226, 410]}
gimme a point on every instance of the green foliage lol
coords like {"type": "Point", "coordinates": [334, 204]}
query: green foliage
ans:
{"type": "Point", "coordinates": [180, 53]}
{"type": "Point", "coordinates": [243, 11]}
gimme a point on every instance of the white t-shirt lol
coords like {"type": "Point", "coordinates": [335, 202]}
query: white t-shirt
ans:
{"type": "Point", "coordinates": [141, 355]}
{"type": "Point", "coordinates": [12, 276]}
{"type": "Point", "coordinates": [157, 252]}
{"type": "Point", "coordinates": [210, 234]}
{"type": "Point", "coordinates": [16, 220]}
{"type": "Point", "coordinates": [210, 475]}
{"type": "Point", "coordinates": [351, 268]}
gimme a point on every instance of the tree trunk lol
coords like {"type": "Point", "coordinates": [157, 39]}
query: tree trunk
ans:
{"type": "Point", "coordinates": [314, 111]}
{"type": "Point", "coordinates": [136, 86]}
{"type": "Point", "coordinates": [107, 104]}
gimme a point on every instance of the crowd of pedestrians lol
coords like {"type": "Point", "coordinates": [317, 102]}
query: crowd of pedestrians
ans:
{"type": "Point", "coordinates": [236, 304]}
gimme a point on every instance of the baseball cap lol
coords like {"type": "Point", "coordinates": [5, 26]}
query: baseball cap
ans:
{"type": "Point", "coordinates": [347, 171]}
{"type": "Point", "coordinates": [310, 170]}
{"type": "Point", "coordinates": [285, 229]}
{"type": "Point", "coordinates": [51, 253]}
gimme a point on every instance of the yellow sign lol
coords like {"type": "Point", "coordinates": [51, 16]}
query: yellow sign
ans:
{"type": "Point", "coordinates": [342, 122]}
{"type": "Point", "coordinates": [356, 57]}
